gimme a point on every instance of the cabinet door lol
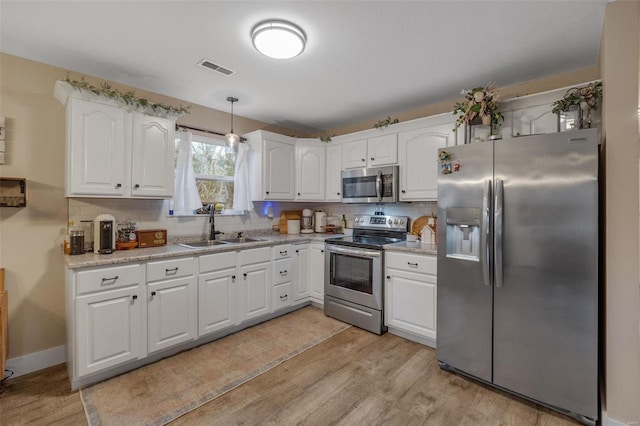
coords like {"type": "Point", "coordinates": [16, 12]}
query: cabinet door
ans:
{"type": "Point", "coordinates": [255, 291]}
{"type": "Point", "coordinates": [316, 272]}
{"type": "Point", "coordinates": [217, 301]}
{"type": "Point", "coordinates": [418, 160]}
{"type": "Point", "coordinates": [98, 154]}
{"type": "Point", "coordinates": [333, 179]}
{"type": "Point", "coordinates": [153, 147]}
{"type": "Point", "coordinates": [279, 160]}
{"type": "Point", "coordinates": [410, 302]}
{"type": "Point", "coordinates": [172, 313]}
{"type": "Point", "coordinates": [310, 171]}
{"type": "Point", "coordinates": [382, 150]}
{"type": "Point", "coordinates": [354, 154]}
{"type": "Point", "coordinates": [301, 284]}
{"type": "Point", "coordinates": [111, 329]}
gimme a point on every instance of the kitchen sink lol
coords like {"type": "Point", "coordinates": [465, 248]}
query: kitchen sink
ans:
{"type": "Point", "coordinates": [206, 243]}
{"type": "Point", "coordinates": [241, 240]}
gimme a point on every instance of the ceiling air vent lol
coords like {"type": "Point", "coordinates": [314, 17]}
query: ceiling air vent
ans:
{"type": "Point", "coordinates": [215, 67]}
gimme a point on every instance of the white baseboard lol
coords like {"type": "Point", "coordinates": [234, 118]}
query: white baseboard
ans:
{"type": "Point", "coordinates": [29, 363]}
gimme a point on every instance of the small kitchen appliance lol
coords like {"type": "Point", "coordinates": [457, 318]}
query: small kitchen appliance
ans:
{"type": "Point", "coordinates": [354, 270]}
{"type": "Point", "coordinates": [104, 234]}
{"type": "Point", "coordinates": [307, 222]}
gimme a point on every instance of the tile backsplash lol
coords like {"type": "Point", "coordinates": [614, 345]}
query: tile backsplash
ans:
{"type": "Point", "coordinates": [151, 214]}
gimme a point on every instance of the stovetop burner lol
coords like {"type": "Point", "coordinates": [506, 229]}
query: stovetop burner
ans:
{"type": "Point", "coordinates": [374, 231]}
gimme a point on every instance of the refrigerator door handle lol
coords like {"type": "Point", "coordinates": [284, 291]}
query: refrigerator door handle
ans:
{"type": "Point", "coordinates": [486, 233]}
{"type": "Point", "coordinates": [497, 232]}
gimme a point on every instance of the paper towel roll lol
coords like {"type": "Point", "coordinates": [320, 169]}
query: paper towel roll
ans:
{"type": "Point", "coordinates": [293, 226]}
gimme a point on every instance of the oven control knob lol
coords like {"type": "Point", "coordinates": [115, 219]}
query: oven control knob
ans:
{"type": "Point", "coordinates": [401, 221]}
{"type": "Point", "coordinates": [395, 221]}
{"type": "Point", "coordinates": [390, 222]}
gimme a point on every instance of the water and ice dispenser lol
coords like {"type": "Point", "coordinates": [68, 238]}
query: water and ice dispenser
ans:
{"type": "Point", "coordinates": [463, 233]}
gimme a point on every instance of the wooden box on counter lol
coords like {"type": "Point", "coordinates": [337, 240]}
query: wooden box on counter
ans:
{"type": "Point", "coordinates": [151, 237]}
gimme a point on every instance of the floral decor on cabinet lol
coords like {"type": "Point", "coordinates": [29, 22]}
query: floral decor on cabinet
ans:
{"type": "Point", "coordinates": [480, 103]}
{"type": "Point", "coordinates": [586, 98]}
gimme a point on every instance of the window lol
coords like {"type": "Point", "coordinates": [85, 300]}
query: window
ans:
{"type": "Point", "coordinates": [214, 167]}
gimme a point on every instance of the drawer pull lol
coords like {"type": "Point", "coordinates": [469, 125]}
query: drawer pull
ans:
{"type": "Point", "coordinates": [171, 271]}
{"type": "Point", "coordinates": [233, 277]}
{"type": "Point", "coordinates": [153, 293]}
{"type": "Point", "coordinates": [136, 186]}
{"type": "Point", "coordinates": [118, 185]}
{"type": "Point", "coordinates": [134, 297]}
{"type": "Point", "coordinates": [112, 279]}
{"type": "Point", "coordinates": [283, 253]}
{"type": "Point", "coordinates": [283, 273]}
{"type": "Point", "coordinates": [284, 297]}
{"type": "Point", "coordinates": [414, 265]}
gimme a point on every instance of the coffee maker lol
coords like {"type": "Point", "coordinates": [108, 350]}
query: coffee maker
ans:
{"type": "Point", "coordinates": [104, 234]}
{"type": "Point", "coordinates": [307, 222]}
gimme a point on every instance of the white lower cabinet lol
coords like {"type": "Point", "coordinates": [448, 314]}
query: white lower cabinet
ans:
{"type": "Point", "coordinates": [410, 296]}
{"type": "Point", "coordinates": [109, 311]}
{"type": "Point", "coordinates": [316, 272]}
{"type": "Point", "coordinates": [301, 279]}
{"type": "Point", "coordinates": [173, 302]}
{"type": "Point", "coordinates": [217, 292]}
{"type": "Point", "coordinates": [255, 283]}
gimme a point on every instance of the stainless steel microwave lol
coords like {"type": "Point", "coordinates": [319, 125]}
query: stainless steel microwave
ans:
{"type": "Point", "coordinates": [370, 185]}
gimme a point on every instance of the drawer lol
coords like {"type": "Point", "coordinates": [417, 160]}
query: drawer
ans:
{"type": "Point", "coordinates": [424, 264]}
{"type": "Point", "coordinates": [283, 251]}
{"type": "Point", "coordinates": [218, 261]}
{"type": "Point", "coordinates": [109, 278]}
{"type": "Point", "coordinates": [168, 269]}
{"type": "Point", "coordinates": [282, 271]}
{"type": "Point", "coordinates": [282, 296]}
{"type": "Point", "coordinates": [258, 255]}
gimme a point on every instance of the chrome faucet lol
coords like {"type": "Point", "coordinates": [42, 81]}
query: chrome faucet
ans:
{"type": "Point", "coordinates": [212, 223]}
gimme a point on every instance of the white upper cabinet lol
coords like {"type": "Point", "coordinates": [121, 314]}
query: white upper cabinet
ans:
{"type": "Point", "coordinates": [418, 160]}
{"type": "Point", "coordinates": [376, 151]}
{"type": "Point", "coordinates": [310, 170]}
{"type": "Point", "coordinates": [333, 180]}
{"type": "Point", "coordinates": [98, 148]}
{"type": "Point", "coordinates": [112, 152]}
{"type": "Point", "coordinates": [271, 166]}
{"type": "Point", "coordinates": [153, 147]}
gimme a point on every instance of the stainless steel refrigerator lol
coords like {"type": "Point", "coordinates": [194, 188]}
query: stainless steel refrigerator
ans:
{"type": "Point", "coordinates": [518, 267]}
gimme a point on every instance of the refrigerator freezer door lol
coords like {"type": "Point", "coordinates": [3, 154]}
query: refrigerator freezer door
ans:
{"type": "Point", "coordinates": [546, 311]}
{"type": "Point", "coordinates": [464, 300]}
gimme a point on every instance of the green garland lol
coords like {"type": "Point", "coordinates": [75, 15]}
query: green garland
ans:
{"type": "Point", "coordinates": [128, 98]}
{"type": "Point", "coordinates": [386, 122]}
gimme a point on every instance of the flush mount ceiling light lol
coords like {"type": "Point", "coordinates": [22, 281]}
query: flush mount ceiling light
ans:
{"type": "Point", "coordinates": [278, 39]}
{"type": "Point", "coordinates": [232, 138]}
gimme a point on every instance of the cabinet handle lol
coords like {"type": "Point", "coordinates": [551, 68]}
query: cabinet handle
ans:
{"type": "Point", "coordinates": [321, 251]}
{"type": "Point", "coordinates": [112, 279]}
{"type": "Point", "coordinates": [153, 293]}
{"type": "Point", "coordinates": [388, 277]}
{"type": "Point", "coordinates": [136, 186]}
{"type": "Point", "coordinates": [134, 297]}
{"type": "Point", "coordinates": [337, 193]}
{"type": "Point", "coordinates": [267, 192]}
{"type": "Point", "coordinates": [372, 158]}
{"type": "Point", "coordinates": [298, 193]}
{"type": "Point", "coordinates": [284, 297]}
{"type": "Point", "coordinates": [403, 191]}
{"type": "Point", "coordinates": [244, 275]}
{"type": "Point", "coordinates": [298, 251]}
{"type": "Point", "coordinates": [363, 159]}
{"type": "Point", "coordinates": [171, 271]}
{"type": "Point", "coordinates": [283, 273]}
{"type": "Point", "coordinates": [118, 185]}
{"type": "Point", "coordinates": [283, 253]}
{"type": "Point", "coordinates": [415, 265]}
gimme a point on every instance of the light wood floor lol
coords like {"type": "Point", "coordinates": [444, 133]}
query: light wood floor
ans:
{"type": "Point", "coordinates": [353, 378]}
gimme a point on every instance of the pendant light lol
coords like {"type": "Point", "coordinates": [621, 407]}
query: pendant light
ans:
{"type": "Point", "coordinates": [232, 138]}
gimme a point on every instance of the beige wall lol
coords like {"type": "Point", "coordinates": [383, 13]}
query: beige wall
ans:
{"type": "Point", "coordinates": [30, 237]}
{"type": "Point", "coordinates": [619, 59]}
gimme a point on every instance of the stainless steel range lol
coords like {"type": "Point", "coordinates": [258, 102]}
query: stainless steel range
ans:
{"type": "Point", "coordinates": [354, 269]}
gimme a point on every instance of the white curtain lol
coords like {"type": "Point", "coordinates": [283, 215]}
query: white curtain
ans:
{"type": "Point", "coordinates": [185, 197]}
{"type": "Point", "coordinates": [241, 194]}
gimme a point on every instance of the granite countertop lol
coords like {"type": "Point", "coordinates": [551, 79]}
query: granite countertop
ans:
{"type": "Point", "coordinates": [413, 247]}
{"type": "Point", "coordinates": [174, 250]}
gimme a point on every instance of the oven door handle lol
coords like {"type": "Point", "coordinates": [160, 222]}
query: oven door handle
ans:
{"type": "Point", "coordinates": [355, 252]}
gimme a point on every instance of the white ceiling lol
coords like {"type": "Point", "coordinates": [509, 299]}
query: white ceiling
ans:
{"type": "Point", "coordinates": [364, 59]}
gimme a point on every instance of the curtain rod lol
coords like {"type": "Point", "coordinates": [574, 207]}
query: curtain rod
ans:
{"type": "Point", "coordinates": [213, 132]}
